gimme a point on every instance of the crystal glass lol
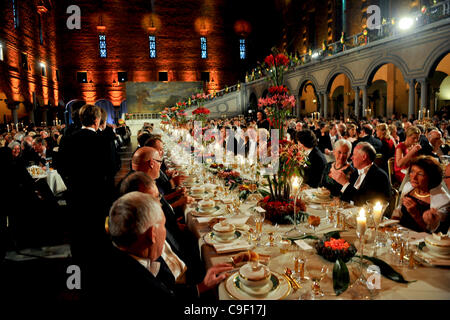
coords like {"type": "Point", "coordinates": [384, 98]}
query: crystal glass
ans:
{"type": "Point", "coordinates": [295, 232]}
{"type": "Point", "coordinates": [317, 273]}
{"type": "Point", "coordinates": [376, 209]}
{"type": "Point", "coordinates": [258, 218]}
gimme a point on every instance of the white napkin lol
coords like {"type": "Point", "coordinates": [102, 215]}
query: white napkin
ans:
{"type": "Point", "coordinates": [416, 237]}
{"type": "Point", "coordinates": [388, 223]}
{"type": "Point", "coordinates": [239, 245]}
{"type": "Point", "coordinates": [238, 221]}
{"type": "Point", "coordinates": [206, 219]}
{"type": "Point", "coordinates": [302, 244]}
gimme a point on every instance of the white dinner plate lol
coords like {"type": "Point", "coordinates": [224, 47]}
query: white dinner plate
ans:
{"type": "Point", "coordinates": [279, 288]}
{"type": "Point", "coordinates": [212, 239]}
{"type": "Point", "coordinates": [210, 213]}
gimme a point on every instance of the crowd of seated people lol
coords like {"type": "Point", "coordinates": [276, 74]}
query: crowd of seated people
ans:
{"type": "Point", "coordinates": [146, 243]}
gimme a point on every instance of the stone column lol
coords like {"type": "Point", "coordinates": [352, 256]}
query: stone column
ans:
{"type": "Point", "coordinates": [411, 98]}
{"type": "Point", "coordinates": [423, 94]}
{"type": "Point", "coordinates": [356, 89]}
{"type": "Point", "coordinates": [364, 100]}
{"type": "Point", "coordinates": [14, 107]}
{"type": "Point", "coordinates": [325, 104]}
{"type": "Point", "coordinates": [320, 108]}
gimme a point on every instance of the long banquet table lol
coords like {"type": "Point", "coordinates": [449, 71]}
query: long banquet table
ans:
{"type": "Point", "coordinates": [428, 282]}
{"type": "Point", "coordinates": [432, 283]}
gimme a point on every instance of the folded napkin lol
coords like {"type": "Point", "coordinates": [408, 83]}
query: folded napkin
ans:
{"type": "Point", "coordinates": [387, 223]}
{"type": "Point", "coordinates": [326, 227]}
{"type": "Point", "coordinates": [238, 245]}
{"type": "Point", "coordinates": [237, 221]}
{"type": "Point", "coordinates": [416, 237]}
{"type": "Point", "coordinates": [207, 219]}
{"type": "Point", "coordinates": [302, 244]}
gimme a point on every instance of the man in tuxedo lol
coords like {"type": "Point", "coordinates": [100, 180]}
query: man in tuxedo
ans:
{"type": "Point", "coordinates": [181, 240]}
{"type": "Point", "coordinates": [316, 159]}
{"type": "Point", "coordinates": [368, 183]}
{"type": "Point", "coordinates": [134, 271]}
{"type": "Point", "coordinates": [366, 135]}
{"type": "Point", "coordinates": [89, 178]}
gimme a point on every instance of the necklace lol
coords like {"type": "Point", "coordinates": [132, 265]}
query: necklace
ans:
{"type": "Point", "coordinates": [334, 165]}
{"type": "Point", "coordinates": [421, 196]}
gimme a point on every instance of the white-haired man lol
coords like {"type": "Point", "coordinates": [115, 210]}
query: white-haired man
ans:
{"type": "Point", "coordinates": [134, 270]}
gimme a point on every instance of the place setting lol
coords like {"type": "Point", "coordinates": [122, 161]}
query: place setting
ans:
{"type": "Point", "coordinates": [435, 251]}
{"type": "Point", "coordinates": [225, 238]}
{"type": "Point", "coordinates": [255, 281]}
{"type": "Point", "coordinates": [37, 172]}
{"type": "Point", "coordinates": [318, 196]}
{"type": "Point", "coordinates": [206, 208]}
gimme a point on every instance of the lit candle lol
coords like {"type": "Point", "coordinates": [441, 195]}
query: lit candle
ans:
{"type": "Point", "coordinates": [428, 113]}
{"type": "Point", "coordinates": [361, 223]}
{"type": "Point", "coordinates": [17, 127]}
{"type": "Point", "coordinates": [7, 127]}
{"type": "Point", "coordinates": [377, 212]}
{"type": "Point", "coordinates": [295, 184]}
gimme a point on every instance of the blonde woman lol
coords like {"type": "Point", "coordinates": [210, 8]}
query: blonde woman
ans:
{"type": "Point", "coordinates": [393, 130]}
{"type": "Point", "coordinates": [405, 152]}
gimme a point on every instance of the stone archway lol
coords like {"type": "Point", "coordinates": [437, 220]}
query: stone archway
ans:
{"type": "Point", "coordinates": [308, 98]}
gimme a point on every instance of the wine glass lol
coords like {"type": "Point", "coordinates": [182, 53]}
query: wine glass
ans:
{"type": "Point", "coordinates": [377, 208]}
{"type": "Point", "coordinates": [317, 273]}
{"type": "Point", "coordinates": [295, 184]}
{"type": "Point", "coordinates": [258, 217]}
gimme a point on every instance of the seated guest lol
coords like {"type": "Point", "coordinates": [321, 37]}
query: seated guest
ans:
{"type": "Point", "coordinates": [368, 183]}
{"type": "Point", "coordinates": [314, 172]}
{"type": "Point", "coordinates": [148, 160]}
{"type": "Point", "coordinates": [342, 151]}
{"type": "Point", "coordinates": [180, 239]}
{"type": "Point", "coordinates": [16, 152]}
{"type": "Point", "coordinates": [29, 154]}
{"type": "Point", "coordinates": [324, 138]}
{"type": "Point", "coordinates": [352, 135]}
{"type": "Point", "coordinates": [388, 145]}
{"type": "Point", "coordinates": [435, 140]}
{"type": "Point", "coordinates": [262, 122]}
{"type": "Point", "coordinates": [134, 270]}
{"type": "Point", "coordinates": [366, 135]}
{"type": "Point", "coordinates": [393, 131]}
{"type": "Point", "coordinates": [424, 203]}
{"type": "Point", "coordinates": [405, 152]}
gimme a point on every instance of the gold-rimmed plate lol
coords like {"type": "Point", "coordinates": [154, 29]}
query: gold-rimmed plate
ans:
{"type": "Point", "coordinates": [212, 239]}
{"type": "Point", "coordinates": [279, 288]}
{"type": "Point", "coordinates": [201, 213]}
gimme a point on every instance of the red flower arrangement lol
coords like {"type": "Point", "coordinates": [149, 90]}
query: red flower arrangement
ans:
{"type": "Point", "coordinates": [333, 249]}
{"type": "Point", "coordinates": [201, 110]}
{"type": "Point", "coordinates": [278, 210]}
{"type": "Point", "coordinates": [277, 60]}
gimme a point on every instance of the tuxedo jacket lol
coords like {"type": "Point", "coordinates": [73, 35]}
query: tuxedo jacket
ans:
{"type": "Point", "coordinates": [375, 185]}
{"type": "Point", "coordinates": [325, 142]}
{"type": "Point", "coordinates": [122, 279]}
{"type": "Point", "coordinates": [184, 244]}
{"type": "Point", "coordinates": [314, 172]}
{"type": "Point", "coordinates": [375, 142]}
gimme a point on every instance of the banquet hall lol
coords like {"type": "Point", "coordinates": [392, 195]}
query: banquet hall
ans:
{"type": "Point", "coordinates": [220, 151]}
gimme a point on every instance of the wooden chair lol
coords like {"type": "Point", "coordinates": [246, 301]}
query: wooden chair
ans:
{"type": "Point", "coordinates": [379, 160]}
{"type": "Point", "coordinates": [391, 170]}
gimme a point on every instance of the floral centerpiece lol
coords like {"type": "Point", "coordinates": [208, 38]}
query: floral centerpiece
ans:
{"type": "Point", "coordinates": [180, 112]}
{"type": "Point", "coordinates": [201, 114]}
{"type": "Point", "coordinates": [333, 249]}
{"type": "Point", "coordinates": [278, 102]}
{"type": "Point", "coordinates": [280, 203]}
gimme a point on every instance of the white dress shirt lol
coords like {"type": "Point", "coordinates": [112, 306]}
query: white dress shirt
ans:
{"type": "Point", "coordinates": [362, 175]}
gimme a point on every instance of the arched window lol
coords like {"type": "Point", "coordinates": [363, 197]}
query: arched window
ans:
{"type": "Point", "coordinates": [204, 47]}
